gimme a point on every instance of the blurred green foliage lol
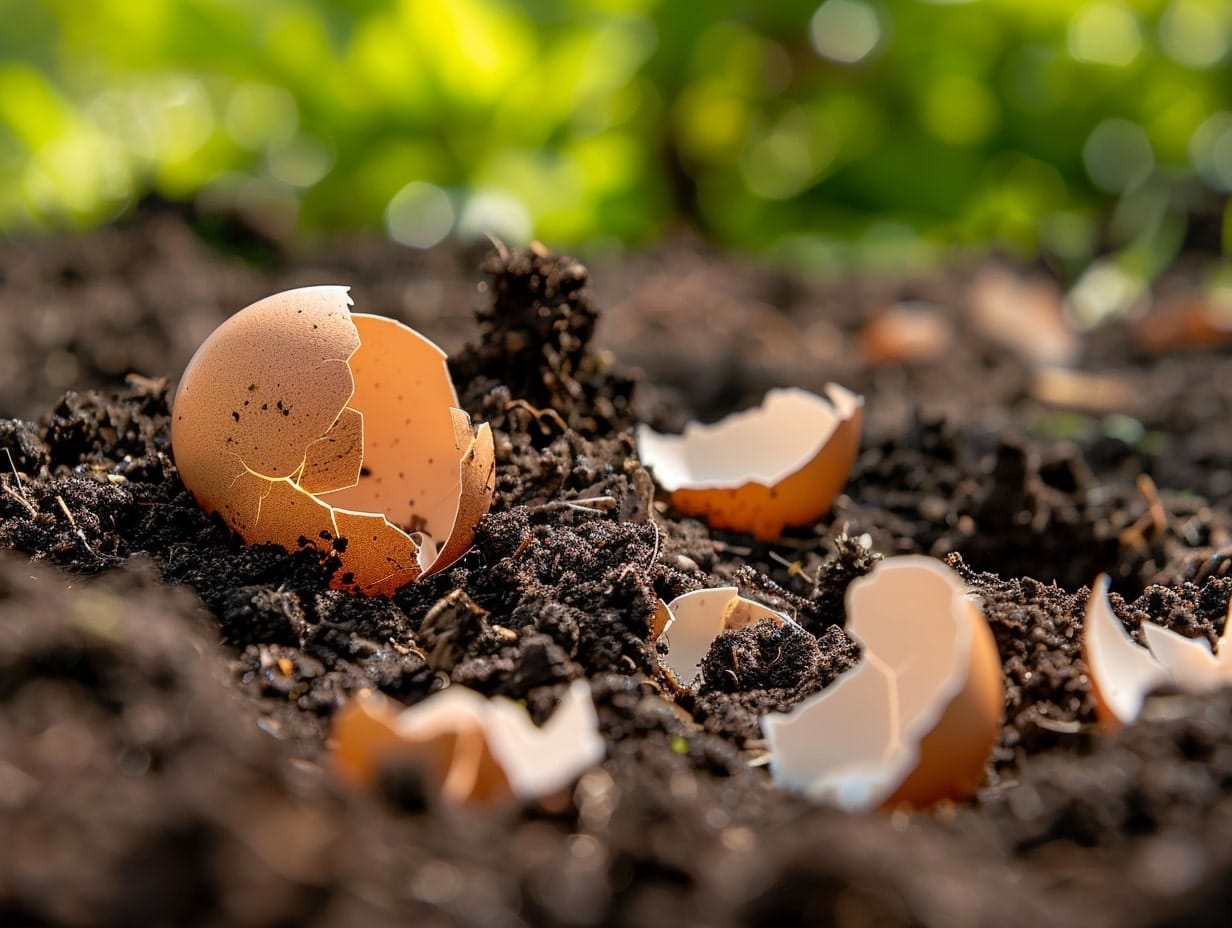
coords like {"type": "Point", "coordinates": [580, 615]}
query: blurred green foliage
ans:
{"type": "Point", "coordinates": [1064, 127]}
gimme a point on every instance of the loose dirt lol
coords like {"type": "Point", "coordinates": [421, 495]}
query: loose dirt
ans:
{"type": "Point", "coordinates": [166, 694]}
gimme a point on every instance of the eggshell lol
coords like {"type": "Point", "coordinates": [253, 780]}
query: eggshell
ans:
{"type": "Point", "coordinates": [907, 333]}
{"type": "Point", "coordinates": [1025, 315]}
{"type": "Point", "coordinates": [470, 749]}
{"type": "Point", "coordinates": [303, 424]}
{"type": "Point", "coordinates": [1188, 661]}
{"type": "Point", "coordinates": [695, 619]}
{"type": "Point", "coordinates": [916, 720]}
{"type": "Point", "coordinates": [762, 469]}
{"type": "Point", "coordinates": [1122, 674]}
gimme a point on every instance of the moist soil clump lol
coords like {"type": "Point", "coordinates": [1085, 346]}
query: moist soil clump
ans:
{"type": "Point", "coordinates": [166, 693]}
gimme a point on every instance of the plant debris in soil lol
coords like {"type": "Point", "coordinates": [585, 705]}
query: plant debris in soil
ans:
{"type": "Point", "coordinates": [166, 693]}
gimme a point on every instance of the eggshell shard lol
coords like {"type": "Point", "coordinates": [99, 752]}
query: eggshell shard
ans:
{"type": "Point", "coordinates": [303, 424]}
{"type": "Point", "coordinates": [470, 749]}
{"type": "Point", "coordinates": [1189, 662]}
{"type": "Point", "coordinates": [915, 721]}
{"type": "Point", "coordinates": [1024, 315]}
{"type": "Point", "coordinates": [1122, 673]}
{"type": "Point", "coordinates": [907, 333]}
{"type": "Point", "coordinates": [763, 469]}
{"type": "Point", "coordinates": [690, 623]}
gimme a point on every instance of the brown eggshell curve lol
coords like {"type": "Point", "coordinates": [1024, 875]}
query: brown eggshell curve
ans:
{"type": "Point", "coordinates": [241, 404]}
{"type": "Point", "coordinates": [362, 736]}
{"type": "Point", "coordinates": [958, 711]}
{"type": "Point", "coordinates": [368, 733]}
{"type": "Point", "coordinates": [953, 756]}
{"type": "Point", "coordinates": [802, 496]}
{"type": "Point", "coordinates": [477, 475]}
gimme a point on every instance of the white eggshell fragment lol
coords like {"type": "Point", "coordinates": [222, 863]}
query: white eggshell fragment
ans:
{"type": "Point", "coordinates": [471, 749]}
{"type": "Point", "coordinates": [1122, 674]}
{"type": "Point", "coordinates": [1190, 663]}
{"type": "Point", "coordinates": [695, 619]}
{"type": "Point", "coordinates": [303, 424]}
{"type": "Point", "coordinates": [915, 721]}
{"type": "Point", "coordinates": [763, 469]}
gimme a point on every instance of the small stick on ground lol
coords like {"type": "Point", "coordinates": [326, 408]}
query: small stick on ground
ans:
{"type": "Point", "coordinates": [794, 568]}
{"type": "Point", "coordinates": [654, 555]}
{"type": "Point", "coordinates": [18, 494]}
{"type": "Point", "coordinates": [1149, 529]}
{"type": "Point", "coordinates": [73, 522]}
{"type": "Point", "coordinates": [588, 504]}
{"type": "Point", "coordinates": [539, 415]}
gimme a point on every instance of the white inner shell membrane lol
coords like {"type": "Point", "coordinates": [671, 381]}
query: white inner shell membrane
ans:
{"type": "Point", "coordinates": [1123, 671]}
{"type": "Point", "coordinates": [698, 618]}
{"type": "Point", "coordinates": [765, 444]}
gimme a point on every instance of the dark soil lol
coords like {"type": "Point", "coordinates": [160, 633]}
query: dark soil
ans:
{"type": "Point", "coordinates": [166, 694]}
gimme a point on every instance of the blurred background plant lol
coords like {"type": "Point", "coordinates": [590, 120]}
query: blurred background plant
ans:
{"type": "Point", "coordinates": [871, 130]}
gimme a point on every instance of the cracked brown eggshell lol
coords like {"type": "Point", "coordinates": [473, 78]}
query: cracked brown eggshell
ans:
{"type": "Point", "coordinates": [469, 748]}
{"type": "Point", "coordinates": [690, 623]}
{"type": "Point", "coordinates": [303, 424]}
{"type": "Point", "coordinates": [1122, 673]}
{"type": "Point", "coordinates": [763, 469]}
{"type": "Point", "coordinates": [916, 720]}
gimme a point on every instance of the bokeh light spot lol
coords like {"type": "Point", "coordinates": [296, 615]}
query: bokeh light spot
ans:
{"type": "Point", "coordinates": [1118, 155]}
{"type": "Point", "coordinates": [846, 31]}
{"type": "Point", "coordinates": [301, 162]}
{"type": "Point", "coordinates": [1104, 33]}
{"type": "Point", "coordinates": [258, 114]}
{"type": "Point", "coordinates": [789, 158]}
{"type": "Point", "coordinates": [959, 110]}
{"type": "Point", "coordinates": [1196, 33]}
{"type": "Point", "coordinates": [1210, 150]}
{"type": "Point", "coordinates": [419, 215]}
{"type": "Point", "coordinates": [490, 212]}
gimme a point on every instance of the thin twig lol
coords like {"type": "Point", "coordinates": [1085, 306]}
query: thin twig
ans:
{"type": "Point", "coordinates": [654, 555]}
{"type": "Point", "coordinates": [73, 522]}
{"type": "Point", "coordinates": [20, 493]}
{"type": "Point", "coordinates": [793, 567]}
{"type": "Point", "coordinates": [1150, 527]}
{"type": "Point", "coordinates": [590, 504]}
{"type": "Point", "coordinates": [539, 414]}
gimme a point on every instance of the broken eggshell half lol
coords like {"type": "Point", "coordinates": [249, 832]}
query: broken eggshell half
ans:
{"type": "Point", "coordinates": [915, 720]}
{"type": "Point", "coordinates": [468, 748]}
{"type": "Point", "coordinates": [303, 424]}
{"type": "Point", "coordinates": [690, 623]}
{"type": "Point", "coordinates": [1122, 673]}
{"type": "Point", "coordinates": [763, 469]}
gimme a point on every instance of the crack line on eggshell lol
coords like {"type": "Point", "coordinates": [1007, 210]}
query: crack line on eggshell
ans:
{"type": "Point", "coordinates": [269, 488]}
{"type": "Point", "coordinates": [895, 740]}
{"type": "Point", "coordinates": [297, 475]}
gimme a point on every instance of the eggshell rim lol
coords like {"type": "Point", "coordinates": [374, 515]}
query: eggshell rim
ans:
{"type": "Point", "coordinates": [843, 404]}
